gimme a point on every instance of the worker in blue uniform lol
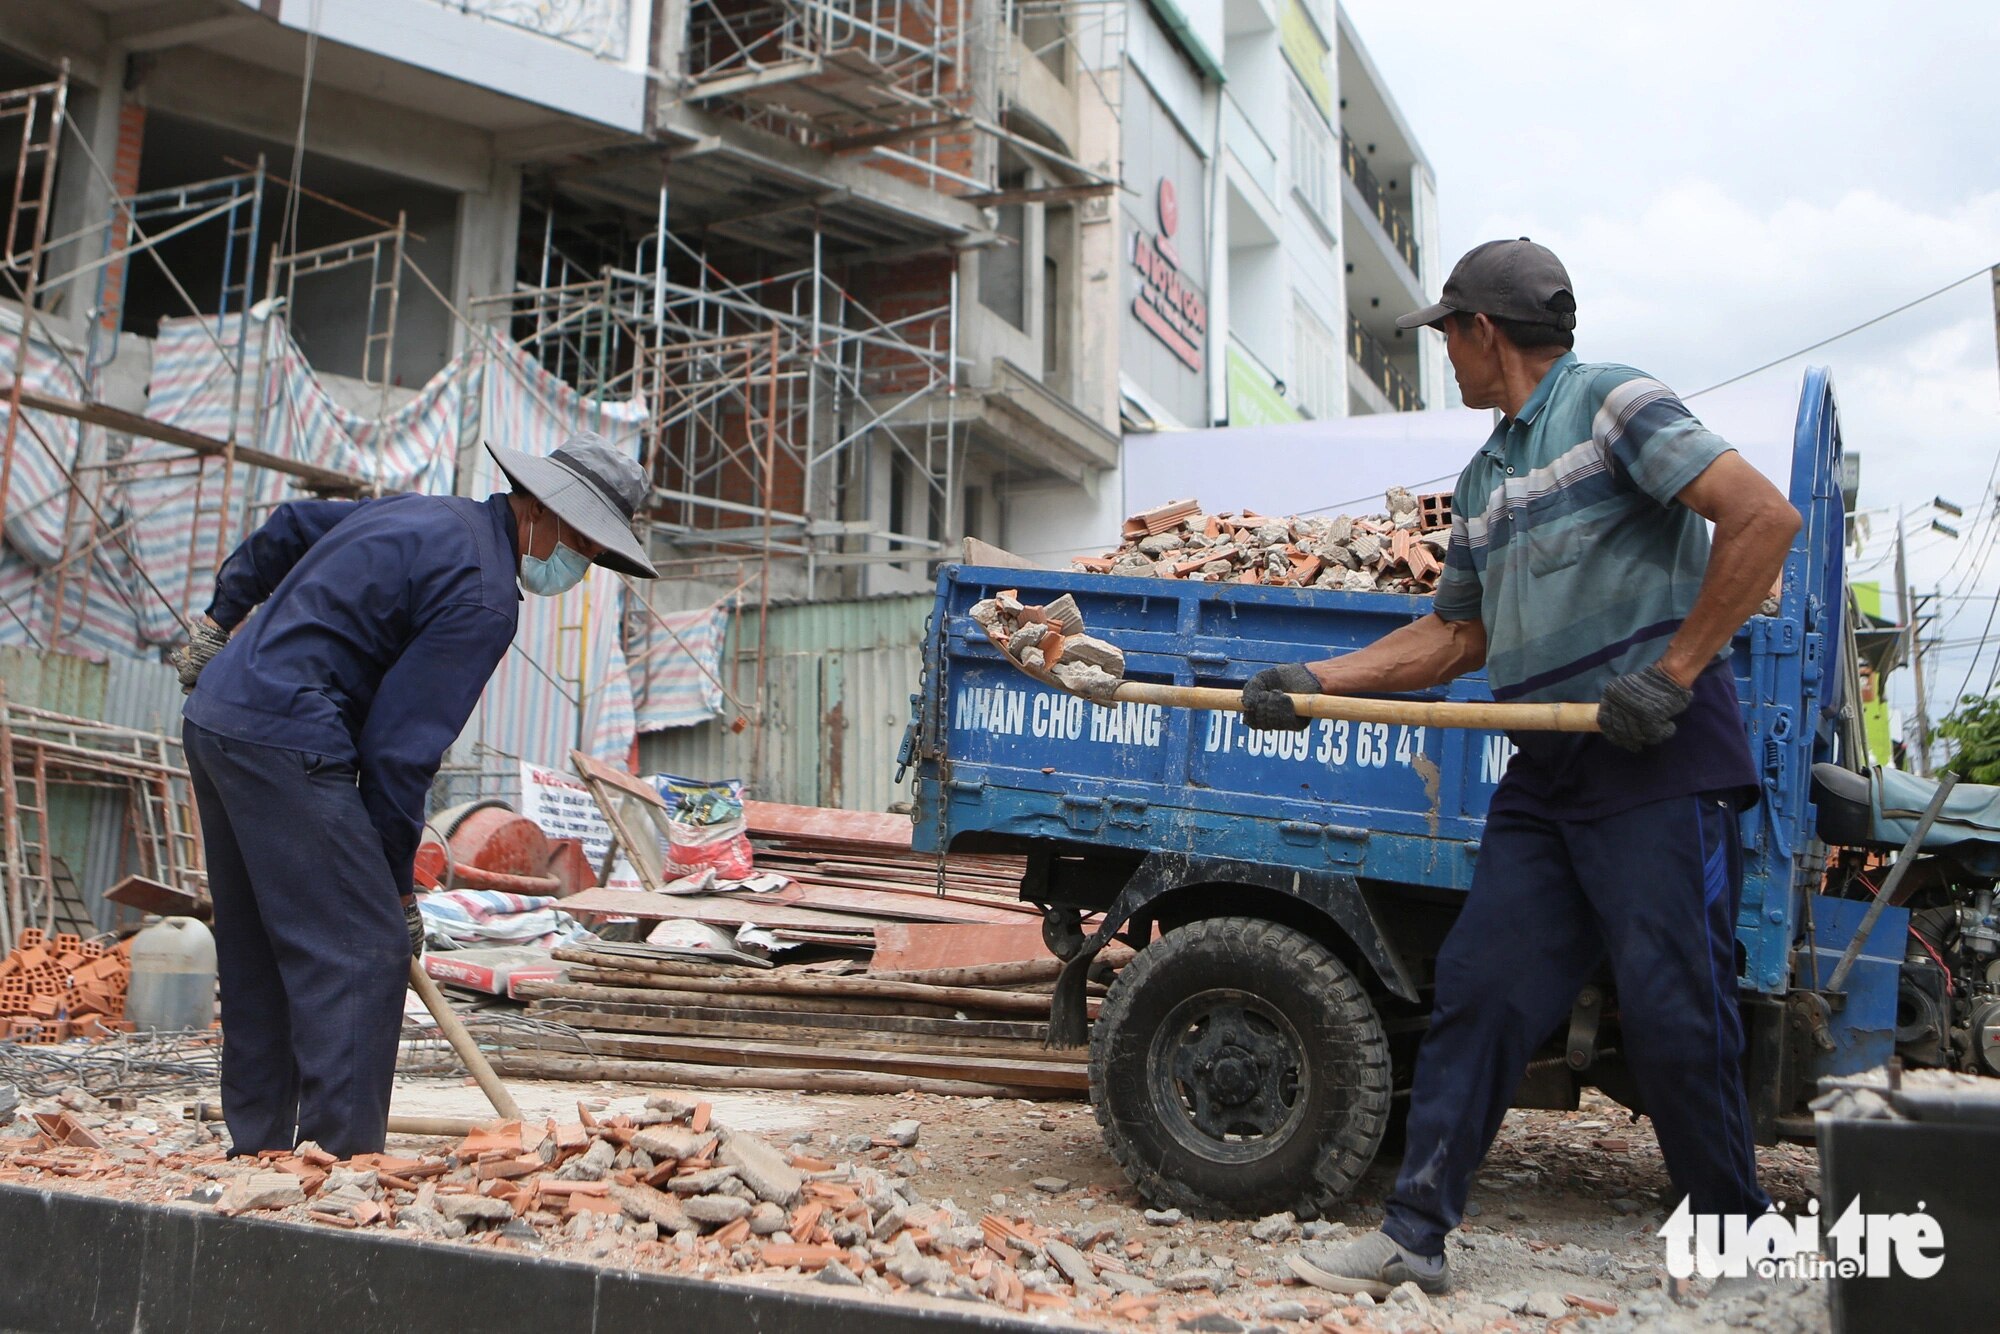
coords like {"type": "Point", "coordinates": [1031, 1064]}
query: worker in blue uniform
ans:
{"type": "Point", "coordinates": [313, 730]}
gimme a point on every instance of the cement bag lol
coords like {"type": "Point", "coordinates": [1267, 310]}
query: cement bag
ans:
{"type": "Point", "coordinates": [705, 826]}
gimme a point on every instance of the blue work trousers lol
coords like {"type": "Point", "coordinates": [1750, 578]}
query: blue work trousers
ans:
{"type": "Point", "coordinates": [310, 947]}
{"type": "Point", "coordinates": [1654, 889]}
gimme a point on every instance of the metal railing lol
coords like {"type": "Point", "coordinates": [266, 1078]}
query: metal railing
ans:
{"type": "Point", "coordinates": [1373, 359]}
{"type": "Point", "coordinates": [1402, 232]}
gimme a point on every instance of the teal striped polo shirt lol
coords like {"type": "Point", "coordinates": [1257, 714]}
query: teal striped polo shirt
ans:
{"type": "Point", "coordinates": [1568, 543]}
{"type": "Point", "coordinates": [1567, 539]}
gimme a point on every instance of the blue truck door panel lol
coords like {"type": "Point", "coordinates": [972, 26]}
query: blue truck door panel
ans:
{"type": "Point", "coordinates": [1403, 805]}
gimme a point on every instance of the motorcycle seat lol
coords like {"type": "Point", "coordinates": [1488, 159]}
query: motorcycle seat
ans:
{"type": "Point", "coordinates": [1881, 808]}
{"type": "Point", "coordinates": [1846, 806]}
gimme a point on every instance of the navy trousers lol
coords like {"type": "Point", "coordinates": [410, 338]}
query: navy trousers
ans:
{"type": "Point", "coordinates": [310, 947]}
{"type": "Point", "coordinates": [1655, 889]}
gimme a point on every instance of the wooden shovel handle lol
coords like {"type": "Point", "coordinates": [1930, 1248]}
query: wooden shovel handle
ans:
{"type": "Point", "coordinates": [462, 1042]}
{"type": "Point", "coordinates": [1416, 713]}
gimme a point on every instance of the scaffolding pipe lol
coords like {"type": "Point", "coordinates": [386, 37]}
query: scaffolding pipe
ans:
{"type": "Point", "coordinates": [58, 105]}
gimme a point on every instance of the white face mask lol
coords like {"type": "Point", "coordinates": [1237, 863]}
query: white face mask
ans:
{"type": "Point", "coordinates": [557, 573]}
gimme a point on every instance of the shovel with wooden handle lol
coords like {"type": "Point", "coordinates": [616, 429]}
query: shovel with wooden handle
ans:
{"type": "Point", "coordinates": [462, 1042]}
{"type": "Point", "coordinates": [1413, 712]}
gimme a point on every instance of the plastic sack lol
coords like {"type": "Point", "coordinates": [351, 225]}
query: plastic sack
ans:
{"type": "Point", "coordinates": [705, 826]}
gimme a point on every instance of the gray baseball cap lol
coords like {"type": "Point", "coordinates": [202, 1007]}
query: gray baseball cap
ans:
{"type": "Point", "coordinates": [593, 488]}
{"type": "Point", "coordinates": [1510, 280]}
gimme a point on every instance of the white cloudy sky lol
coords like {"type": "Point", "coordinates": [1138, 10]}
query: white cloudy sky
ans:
{"type": "Point", "coordinates": [1729, 182]}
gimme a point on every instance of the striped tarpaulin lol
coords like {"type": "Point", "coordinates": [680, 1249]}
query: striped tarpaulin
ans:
{"type": "Point", "coordinates": [676, 660]}
{"type": "Point", "coordinates": [285, 411]}
{"type": "Point", "coordinates": [568, 650]}
{"type": "Point", "coordinates": [194, 386]}
{"type": "Point", "coordinates": [36, 564]}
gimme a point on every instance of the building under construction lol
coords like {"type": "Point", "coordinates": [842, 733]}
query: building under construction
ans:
{"type": "Point", "coordinates": [854, 280]}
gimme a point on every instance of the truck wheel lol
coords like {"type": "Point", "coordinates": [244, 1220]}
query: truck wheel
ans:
{"type": "Point", "coordinates": [1237, 1068]}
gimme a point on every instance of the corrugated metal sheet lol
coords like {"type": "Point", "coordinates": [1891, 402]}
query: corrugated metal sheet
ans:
{"type": "Point", "coordinates": [74, 686]}
{"type": "Point", "coordinates": [53, 681]}
{"type": "Point", "coordinates": [144, 693]}
{"type": "Point", "coordinates": [838, 678]}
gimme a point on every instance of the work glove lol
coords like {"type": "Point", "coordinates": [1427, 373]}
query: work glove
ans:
{"type": "Point", "coordinates": [1265, 704]}
{"type": "Point", "coordinates": [205, 640]}
{"type": "Point", "coordinates": [1638, 709]}
{"type": "Point", "coordinates": [413, 922]}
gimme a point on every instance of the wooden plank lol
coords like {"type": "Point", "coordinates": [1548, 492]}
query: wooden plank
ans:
{"type": "Point", "coordinates": [909, 947]}
{"type": "Point", "coordinates": [895, 901]}
{"type": "Point", "coordinates": [592, 983]}
{"type": "Point", "coordinates": [610, 1000]}
{"type": "Point", "coordinates": [323, 480]}
{"type": "Point", "coordinates": [1071, 1076]}
{"type": "Point", "coordinates": [851, 988]}
{"type": "Point", "coordinates": [868, 829]}
{"type": "Point", "coordinates": [733, 1033]}
{"type": "Point", "coordinates": [527, 1065]}
{"type": "Point", "coordinates": [716, 909]}
{"type": "Point", "coordinates": [805, 906]}
{"type": "Point", "coordinates": [618, 778]}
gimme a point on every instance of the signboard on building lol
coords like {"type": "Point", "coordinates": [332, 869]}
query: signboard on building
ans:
{"type": "Point", "coordinates": [1163, 281]}
{"type": "Point", "coordinates": [1171, 307]}
{"type": "Point", "coordinates": [1307, 49]}
{"type": "Point", "coordinates": [1253, 399]}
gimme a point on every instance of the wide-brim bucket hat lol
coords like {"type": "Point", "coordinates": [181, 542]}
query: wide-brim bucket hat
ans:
{"type": "Point", "coordinates": [593, 488]}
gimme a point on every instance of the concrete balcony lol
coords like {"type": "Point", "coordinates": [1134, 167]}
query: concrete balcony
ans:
{"type": "Point", "coordinates": [1377, 203]}
{"type": "Point", "coordinates": [1384, 386]}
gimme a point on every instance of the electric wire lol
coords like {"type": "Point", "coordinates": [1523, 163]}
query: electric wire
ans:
{"type": "Point", "coordinates": [1979, 272]}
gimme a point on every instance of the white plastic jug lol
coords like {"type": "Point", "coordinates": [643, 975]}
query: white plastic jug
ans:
{"type": "Point", "coordinates": [173, 977]}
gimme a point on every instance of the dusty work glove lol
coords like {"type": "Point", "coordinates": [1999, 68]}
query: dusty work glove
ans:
{"type": "Point", "coordinates": [413, 922]}
{"type": "Point", "coordinates": [1264, 698]}
{"type": "Point", "coordinates": [1638, 709]}
{"type": "Point", "coordinates": [205, 640]}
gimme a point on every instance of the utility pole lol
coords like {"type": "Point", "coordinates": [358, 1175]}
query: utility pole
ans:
{"type": "Point", "coordinates": [1913, 649]}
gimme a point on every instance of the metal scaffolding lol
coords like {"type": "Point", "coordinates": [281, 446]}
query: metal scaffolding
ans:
{"type": "Point", "coordinates": [94, 449]}
{"type": "Point", "coordinates": [820, 71]}
{"type": "Point", "coordinates": [761, 397]}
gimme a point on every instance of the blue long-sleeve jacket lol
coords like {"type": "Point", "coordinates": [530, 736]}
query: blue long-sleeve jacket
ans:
{"type": "Point", "coordinates": [382, 621]}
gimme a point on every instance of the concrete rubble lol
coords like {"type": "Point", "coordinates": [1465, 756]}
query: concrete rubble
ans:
{"type": "Point", "coordinates": [841, 1205]}
{"type": "Point", "coordinates": [1050, 642]}
{"type": "Point", "coordinates": [1400, 550]}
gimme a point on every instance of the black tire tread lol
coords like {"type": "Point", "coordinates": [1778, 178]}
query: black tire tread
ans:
{"type": "Point", "coordinates": [1252, 942]}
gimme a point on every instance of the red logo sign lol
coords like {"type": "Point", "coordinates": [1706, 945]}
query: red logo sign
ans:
{"type": "Point", "coordinates": [1172, 308]}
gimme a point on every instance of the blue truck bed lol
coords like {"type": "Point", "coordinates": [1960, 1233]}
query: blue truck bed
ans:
{"type": "Point", "coordinates": [1006, 762]}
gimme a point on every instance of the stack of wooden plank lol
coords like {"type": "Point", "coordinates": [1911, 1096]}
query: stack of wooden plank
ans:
{"type": "Point", "coordinates": [977, 1030]}
{"type": "Point", "coordinates": [849, 872]}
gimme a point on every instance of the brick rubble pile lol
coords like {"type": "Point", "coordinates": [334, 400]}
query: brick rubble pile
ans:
{"type": "Point", "coordinates": [1562, 1227]}
{"type": "Point", "coordinates": [1398, 551]}
{"type": "Point", "coordinates": [664, 1189]}
{"type": "Point", "coordinates": [53, 988]}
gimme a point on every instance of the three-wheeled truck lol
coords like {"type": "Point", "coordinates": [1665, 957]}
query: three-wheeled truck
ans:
{"type": "Point", "coordinates": [1287, 892]}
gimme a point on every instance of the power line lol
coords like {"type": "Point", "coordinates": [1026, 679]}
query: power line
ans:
{"type": "Point", "coordinates": [1983, 636]}
{"type": "Point", "coordinates": [1979, 272]}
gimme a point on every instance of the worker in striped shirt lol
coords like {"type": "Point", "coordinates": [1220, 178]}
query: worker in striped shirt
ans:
{"type": "Point", "coordinates": [1580, 568]}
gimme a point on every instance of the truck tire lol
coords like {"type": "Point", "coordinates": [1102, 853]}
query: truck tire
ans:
{"type": "Point", "coordinates": [1238, 1069]}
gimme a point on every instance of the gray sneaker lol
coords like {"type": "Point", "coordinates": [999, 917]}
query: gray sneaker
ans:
{"type": "Point", "coordinates": [1376, 1264]}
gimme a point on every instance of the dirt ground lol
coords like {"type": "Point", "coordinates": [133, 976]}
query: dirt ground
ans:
{"type": "Point", "coordinates": [1562, 1235]}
